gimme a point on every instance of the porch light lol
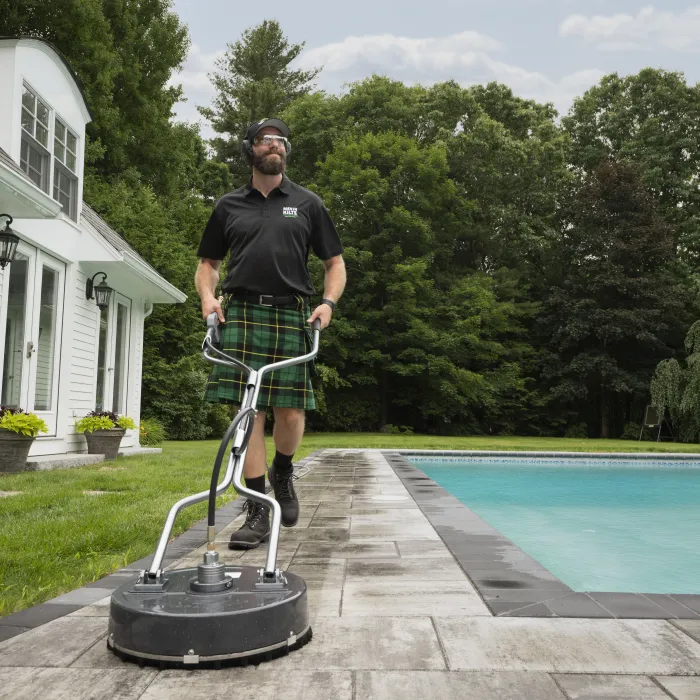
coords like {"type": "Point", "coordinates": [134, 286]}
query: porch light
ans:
{"type": "Point", "coordinates": [102, 291]}
{"type": "Point", "coordinates": [8, 243]}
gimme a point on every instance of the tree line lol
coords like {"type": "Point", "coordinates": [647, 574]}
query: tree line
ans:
{"type": "Point", "coordinates": [510, 271]}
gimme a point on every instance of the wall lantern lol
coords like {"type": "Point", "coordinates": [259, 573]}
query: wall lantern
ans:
{"type": "Point", "coordinates": [8, 243]}
{"type": "Point", "coordinates": [102, 291]}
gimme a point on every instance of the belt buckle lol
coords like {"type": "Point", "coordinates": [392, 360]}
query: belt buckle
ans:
{"type": "Point", "coordinates": [262, 303]}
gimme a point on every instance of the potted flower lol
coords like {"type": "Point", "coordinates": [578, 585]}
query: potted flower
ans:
{"type": "Point", "coordinates": [17, 432]}
{"type": "Point", "coordinates": [104, 432]}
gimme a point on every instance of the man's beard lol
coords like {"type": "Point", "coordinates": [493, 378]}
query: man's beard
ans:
{"type": "Point", "coordinates": [268, 165]}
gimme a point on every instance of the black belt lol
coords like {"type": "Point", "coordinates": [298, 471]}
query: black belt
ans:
{"type": "Point", "coordinates": [266, 299]}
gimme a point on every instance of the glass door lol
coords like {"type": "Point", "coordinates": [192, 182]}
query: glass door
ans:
{"type": "Point", "coordinates": [18, 291]}
{"type": "Point", "coordinates": [113, 356]}
{"type": "Point", "coordinates": [46, 338]}
{"type": "Point", "coordinates": [32, 333]}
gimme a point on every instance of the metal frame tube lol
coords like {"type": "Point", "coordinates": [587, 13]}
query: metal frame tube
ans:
{"type": "Point", "coordinates": [234, 468]}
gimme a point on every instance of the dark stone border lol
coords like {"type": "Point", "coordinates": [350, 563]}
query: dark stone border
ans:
{"type": "Point", "coordinates": [510, 582]}
{"type": "Point", "coordinates": [196, 536]}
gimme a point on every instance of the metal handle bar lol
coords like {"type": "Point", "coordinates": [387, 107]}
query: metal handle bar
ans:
{"type": "Point", "coordinates": [234, 468]}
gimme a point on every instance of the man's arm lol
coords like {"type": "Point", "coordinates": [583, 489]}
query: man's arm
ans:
{"type": "Point", "coordinates": [333, 286]}
{"type": "Point", "coordinates": [335, 278]}
{"type": "Point", "coordinates": [206, 280]}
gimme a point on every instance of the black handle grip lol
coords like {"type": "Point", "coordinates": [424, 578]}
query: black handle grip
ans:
{"type": "Point", "coordinates": [316, 325]}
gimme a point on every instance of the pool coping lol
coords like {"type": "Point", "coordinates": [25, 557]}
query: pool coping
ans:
{"type": "Point", "coordinates": [509, 581]}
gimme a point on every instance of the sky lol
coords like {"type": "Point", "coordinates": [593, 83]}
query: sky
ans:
{"type": "Point", "coordinates": [547, 50]}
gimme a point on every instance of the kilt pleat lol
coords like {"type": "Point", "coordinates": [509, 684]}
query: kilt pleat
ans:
{"type": "Point", "coordinates": [259, 335]}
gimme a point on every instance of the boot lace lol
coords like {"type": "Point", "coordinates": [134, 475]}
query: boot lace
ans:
{"type": "Point", "coordinates": [284, 483]}
{"type": "Point", "coordinates": [255, 512]}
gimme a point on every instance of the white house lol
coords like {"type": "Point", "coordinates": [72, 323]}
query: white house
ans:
{"type": "Point", "coordinates": [63, 356]}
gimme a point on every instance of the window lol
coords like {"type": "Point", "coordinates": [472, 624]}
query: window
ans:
{"type": "Point", "coordinates": [35, 154]}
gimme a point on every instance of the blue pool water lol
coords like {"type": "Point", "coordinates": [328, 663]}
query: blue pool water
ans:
{"type": "Point", "coordinates": [628, 526]}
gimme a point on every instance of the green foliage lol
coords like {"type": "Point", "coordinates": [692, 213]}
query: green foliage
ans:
{"type": "Point", "coordinates": [253, 80]}
{"type": "Point", "coordinates": [17, 421]}
{"type": "Point", "coordinates": [151, 432]}
{"type": "Point", "coordinates": [615, 301]}
{"type": "Point", "coordinates": [103, 420]}
{"type": "Point", "coordinates": [578, 430]}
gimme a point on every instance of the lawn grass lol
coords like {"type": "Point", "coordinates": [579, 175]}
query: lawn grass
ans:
{"type": "Point", "coordinates": [55, 538]}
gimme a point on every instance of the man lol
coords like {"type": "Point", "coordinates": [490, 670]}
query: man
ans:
{"type": "Point", "coordinates": [268, 227]}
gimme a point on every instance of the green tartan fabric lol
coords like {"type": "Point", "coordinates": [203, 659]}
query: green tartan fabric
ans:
{"type": "Point", "coordinates": [260, 335]}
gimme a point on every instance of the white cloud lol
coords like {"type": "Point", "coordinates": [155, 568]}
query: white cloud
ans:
{"type": "Point", "coordinates": [464, 57]}
{"type": "Point", "coordinates": [650, 28]}
{"type": "Point", "coordinates": [432, 53]}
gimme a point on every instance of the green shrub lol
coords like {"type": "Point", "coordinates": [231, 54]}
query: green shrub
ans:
{"type": "Point", "coordinates": [151, 432]}
{"type": "Point", "coordinates": [578, 430]}
{"type": "Point", "coordinates": [17, 421]}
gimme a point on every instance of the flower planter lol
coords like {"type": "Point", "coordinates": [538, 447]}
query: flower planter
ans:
{"type": "Point", "coordinates": [105, 442]}
{"type": "Point", "coordinates": [14, 450]}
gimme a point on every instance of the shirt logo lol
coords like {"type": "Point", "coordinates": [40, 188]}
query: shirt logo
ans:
{"type": "Point", "coordinates": [289, 212]}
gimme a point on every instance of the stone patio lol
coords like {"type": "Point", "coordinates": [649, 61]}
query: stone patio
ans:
{"type": "Point", "coordinates": [393, 613]}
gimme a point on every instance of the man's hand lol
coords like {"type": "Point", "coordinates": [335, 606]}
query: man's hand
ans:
{"type": "Point", "coordinates": [322, 311]}
{"type": "Point", "coordinates": [211, 304]}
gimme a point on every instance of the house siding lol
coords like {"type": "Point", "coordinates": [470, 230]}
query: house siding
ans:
{"type": "Point", "coordinates": [83, 343]}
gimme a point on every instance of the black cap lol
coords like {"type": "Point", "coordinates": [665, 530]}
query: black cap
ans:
{"type": "Point", "coordinates": [274, 123]}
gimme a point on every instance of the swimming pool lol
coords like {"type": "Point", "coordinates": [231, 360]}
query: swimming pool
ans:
{"type": "Point", "coordinates": [598, 525]}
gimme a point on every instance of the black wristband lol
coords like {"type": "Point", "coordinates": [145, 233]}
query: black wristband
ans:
{"type": "Point", "coordinates": [329, 302]}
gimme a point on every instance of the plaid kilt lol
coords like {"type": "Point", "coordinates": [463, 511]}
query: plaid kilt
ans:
{"type": "Point", "coordinates": [260, 335]}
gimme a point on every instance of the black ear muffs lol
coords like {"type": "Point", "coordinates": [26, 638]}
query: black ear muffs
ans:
{"type": "Point", "coordinates": [247, 150]}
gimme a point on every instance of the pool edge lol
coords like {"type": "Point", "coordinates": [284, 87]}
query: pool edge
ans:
{"type": "Point", "coordinates": [481, 551]}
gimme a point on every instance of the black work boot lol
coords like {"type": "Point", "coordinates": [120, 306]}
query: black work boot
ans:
{"type": "Point", "coordinates": [281, 480]}
{"type": "Point", "coordinates": [256, 528]}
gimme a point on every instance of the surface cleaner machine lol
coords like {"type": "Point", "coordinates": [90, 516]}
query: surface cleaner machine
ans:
{"type": "Point", "coordinates": [215, 614]}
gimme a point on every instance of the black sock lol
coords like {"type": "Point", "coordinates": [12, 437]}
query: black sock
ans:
{"type": "Point", "coordinates": [256, 484]}
{"type": "Point", "coordinates": [283, 462]}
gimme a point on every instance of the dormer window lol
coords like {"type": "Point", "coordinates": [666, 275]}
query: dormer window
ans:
{"type": "Point", "coordinates": [65, 180]}
{"type": "Point", "coordinates": [38, 149]}
{"type": "Point", "coordinates": [34, 156]}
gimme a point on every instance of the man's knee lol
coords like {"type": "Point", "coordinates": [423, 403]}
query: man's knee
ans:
{"type": "Point", "coordinates": [289, 417]}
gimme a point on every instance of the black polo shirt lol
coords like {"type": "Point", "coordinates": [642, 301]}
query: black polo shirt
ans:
{"type": "Point", "coordinates": [269, 238]}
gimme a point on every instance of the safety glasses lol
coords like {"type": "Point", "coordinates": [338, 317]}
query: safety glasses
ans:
{"type": "Point", "coordinates": [269, 139]}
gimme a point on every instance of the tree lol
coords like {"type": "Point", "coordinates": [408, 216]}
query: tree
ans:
{"type": "Point", "coordinates": [675, 391]}
{"type": "Point", "coordinates": [616, 305]}
{"type": "Point", "coordinates": [415, 342]}
{"type": "Point", "coordinates": [253, 80]}
{"type": "Point", "coordinates": [650, 118]}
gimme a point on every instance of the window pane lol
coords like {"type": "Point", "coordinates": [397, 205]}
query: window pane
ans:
{"type": "Point", "coordinates": [42, 113]}
{"type": "Point", "coordinates": [28, 100]}
{"type": "Point", "coordinates": [70, 161]}
{"type": "Point", "coordinates": [120, 359]}
{"type": "Point", "coordinates": [13, 359]}
{"type": "Point", "coordinates": [72, 143]}
{"type": "Point", "coordinates": [46, 343]}
{"type": "Point", "coordinates": [101, 359]}
{"type": "Point", "coordinates": [60, 131]}
{"type": "Point", "coordinates": [65, 191]}
{"type": "Point", "coordinates": [42, 135]}
{"type": "Point", "coordinates": [60, 151]}
{"type": "Point", "coordinates": [34, 164]}
{"type": "Point", "coordinates": [27, 121]}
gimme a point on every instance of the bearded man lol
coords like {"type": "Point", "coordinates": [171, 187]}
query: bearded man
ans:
{"type": "Point", "coordinates": [267, 228]}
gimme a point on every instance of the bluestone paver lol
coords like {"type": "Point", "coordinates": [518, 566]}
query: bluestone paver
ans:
{"type": "Point", "coordinates": [293, 685]}
{"type": "Point", "coordinates": [401, 685]}
{"type": "Point", "coordinates": [586, 687]}
{"type": "Point", "coordinates": [56, 643]}
{"type": "Point", "coordinates": [681, 688]}
{"type": "Point", "coordinates": [125, 683]}
{"type": "Point", "coordinates": [568, 645]}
